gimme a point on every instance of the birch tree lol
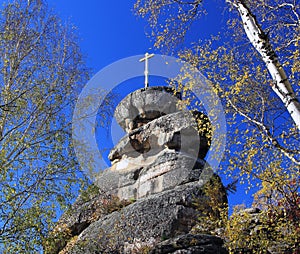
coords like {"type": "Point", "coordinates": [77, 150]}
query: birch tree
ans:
{"type": "Point", "coordinates": [41, 68]}
{"type": "Point", "coordinates": [260, 40]}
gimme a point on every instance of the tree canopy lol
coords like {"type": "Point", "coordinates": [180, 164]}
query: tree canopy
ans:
{"type": "Point", "coordinates": [41, 71]}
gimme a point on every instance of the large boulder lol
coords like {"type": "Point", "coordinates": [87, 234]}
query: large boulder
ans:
{"type": "Point", "coordinates": [144, 105]}
{"type": "Point", "coordinates": [160, 216]}
{"type": "Point", "coordinates": [177, 131]}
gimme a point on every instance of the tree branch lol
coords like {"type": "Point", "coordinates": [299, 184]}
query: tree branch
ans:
{"type": "Point", "coordinates": [267, 132]}
{"type": "Point", "coordinates": [259, 39]}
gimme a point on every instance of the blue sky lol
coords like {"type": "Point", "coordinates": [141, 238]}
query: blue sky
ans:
{"type": "Point", "coordinates": [108, 30]}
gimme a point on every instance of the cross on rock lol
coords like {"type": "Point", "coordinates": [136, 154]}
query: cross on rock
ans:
{"type": "Point", "coordinates": [146, 58]}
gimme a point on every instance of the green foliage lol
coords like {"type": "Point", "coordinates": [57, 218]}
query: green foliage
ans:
{"type": "Point", "coordinates": [41, 68]}
{"type": "Point", "coordinates": [262, 232]}
{"type": "Point", "coordinates": [212, 207]}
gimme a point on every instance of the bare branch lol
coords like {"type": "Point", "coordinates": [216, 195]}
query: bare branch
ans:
{"type": "Point", "coordinates": [273, 141]}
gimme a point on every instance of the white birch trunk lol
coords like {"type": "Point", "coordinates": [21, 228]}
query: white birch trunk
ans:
{"type": "Point", "coordinates": [260, 41]}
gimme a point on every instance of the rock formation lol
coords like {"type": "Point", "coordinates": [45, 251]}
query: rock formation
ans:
{"type": "Point", "coordinates": [145, 202]}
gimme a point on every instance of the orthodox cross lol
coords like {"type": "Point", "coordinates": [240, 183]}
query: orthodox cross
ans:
{"type": "Point", "coordinates": [147, 56]}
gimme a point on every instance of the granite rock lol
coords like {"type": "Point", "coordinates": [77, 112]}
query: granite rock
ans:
{"type": "Point", "coordinates": [177, 131]}
{"type": "Point", "coordinates": [161, 216]}
{"type": "Point", "coordinates": [144, 105]}
{"type": "Point", "coordinates": [135, 179]}
{"type": "Point", "coordinates": [190, 244]}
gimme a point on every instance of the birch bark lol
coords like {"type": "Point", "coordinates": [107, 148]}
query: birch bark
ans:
{"type": "Point", "coordinates": [259, 39]}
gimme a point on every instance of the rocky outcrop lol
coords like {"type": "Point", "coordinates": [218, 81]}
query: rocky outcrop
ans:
{"type": "Point", "coordinates": [159, 155]}
{"type": "Point", "coordinates": [146, 200]}
{"type": "Point", "coordinates": [160, 216]}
